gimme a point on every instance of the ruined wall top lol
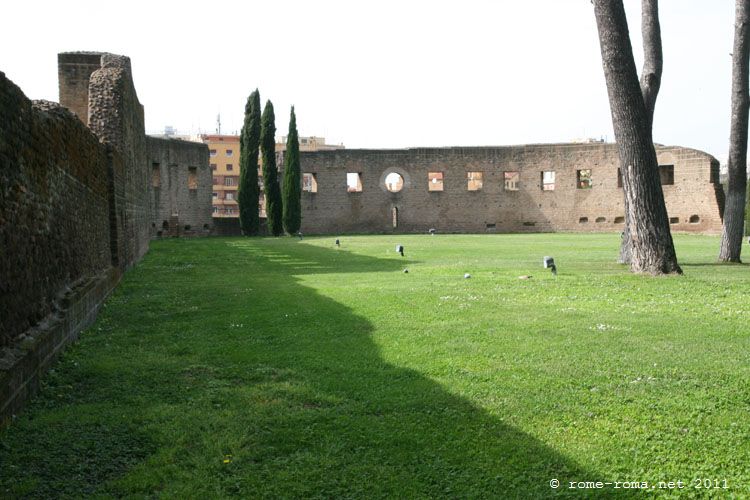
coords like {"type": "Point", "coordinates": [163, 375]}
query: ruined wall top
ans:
{"type": "Point", "coordinates": [75, 70]}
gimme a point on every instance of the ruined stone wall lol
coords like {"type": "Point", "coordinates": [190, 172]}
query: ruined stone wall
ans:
{"type": "Point", "coordinates": [54, 236]}
{"type": "Point", "coordinates": [74, 211]}
{"type": "Point", "coordinates": [227, 226]}
{"type": "Point", "coordinates": [116, 117]}
{"type": "Point", "coordinates": [73, 75]}
{"type": "Point", "coordinates": [54, 205]}
{"type": "Point", "coordinates": [493, 208]}
{"type": "Point", "coordinates": [180, 188]}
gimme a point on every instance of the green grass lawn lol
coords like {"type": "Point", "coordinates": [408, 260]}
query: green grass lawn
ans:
{"type": "Point", "coordinates": [282, 368]}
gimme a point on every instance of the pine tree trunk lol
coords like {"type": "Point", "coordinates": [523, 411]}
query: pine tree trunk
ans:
{"type": "Point", "coordinates": [653, 63]}
{"type": "Point", "coordinates": [734, 210]}
{"type": "Point", "coordinates": [651, 239]}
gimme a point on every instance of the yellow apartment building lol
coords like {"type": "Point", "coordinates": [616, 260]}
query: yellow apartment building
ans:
{"type": "Point", "coordinates": [224, 158]}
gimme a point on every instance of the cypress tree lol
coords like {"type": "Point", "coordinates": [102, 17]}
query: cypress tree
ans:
{"type": "Point", "coordinates": [292, 191]}
{"type": "Point", "coordinates": [270, 174]}
{"type": "Point", "coordinates": [248, 192]}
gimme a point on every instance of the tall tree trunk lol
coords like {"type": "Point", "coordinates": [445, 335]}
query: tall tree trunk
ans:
{"type": "Point", "coordinates": [734, 210]}
{"type": "Point", "coordinates": [651, 240]}
{"type": "Point", "coordinates": [653, 63]}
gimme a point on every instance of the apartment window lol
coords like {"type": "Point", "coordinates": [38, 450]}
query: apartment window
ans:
{"type": "Point", "coordinates": [230, 152]}
{"type": "Point", "coordinates": [229, 181]}
{"type": "Point", "coordinates": [212, 152]}
{"type": "Point", "coordinates": [309, 183]}
{"type": "Point", "coordinates": [474, 181]}
{"type": "Point", "coordinates": [230, 167]}
{"type": "Point", "coordinates": [353, 182]}
{"type": "Point", "coordinates": [229, 195]}
{"type": "Point", "coordinates": [155, 175]}
{"type": "Point", "coordinates": [666, 174]}
{"type": "Point", "coordinates": [213, 166]}
{"type": "Point", "coordinates": [192, 178]}
{"type": "Point", "coordinates": [394, 182]}
{"type": "Point", "coordinates": [215, 195]}
{"type": "Point", "coordinates": [434, 181]}
{"type": "Point", "coordinates": [229, 211]}
{"type": "Point", "coordinates": [512, 180]}
{"type": "Point", "coordinates": [548, 180]}
{"type": "Point", "coordinates": [215, 209]}
{"type": "Point", "coordinates": [583, 179]}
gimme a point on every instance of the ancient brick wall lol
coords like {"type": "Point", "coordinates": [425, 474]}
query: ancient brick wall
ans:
{"type": "Point", "coordinates": [116, 117]}
{"type": "Point", "coordinates": [227, 226]}
{"type": "Point", "coordinates": [54, 207]}
{"type": "Point", "coordinates": [73, 75]}
{"type": "Point", "coordinates": [693, 202]}
{"type": "Point", "coordinates": [181, 184]}
{"type": "Point", "coordinates": [74, 211]}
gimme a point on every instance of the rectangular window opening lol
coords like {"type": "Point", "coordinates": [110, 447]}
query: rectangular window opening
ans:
{"type": "Point", "coordinates": [512, 180]}
{"type": "Point", "coordinates": [309, 182]}
{"type": "Point", "coordinates": [230, 152]}
{"type": "Point", "coordinates": [192, 178]}
{"type": "Point", "coordinates": [230, 181]}
{"type": "Point", "coordinates": [434, 181]}
{"type": "Point", "coordinates": [230, 167]}
{"type": "Point", "coordinates": [583, 179]}
{"type": "Point", "coordinates": [474, 180]}
{"type": "Point", "coordinates": [155, 175]}
{"type": "Point", "coordinates": [548, 180]}
{"type": "Point", "coordinates": [666, 174]}
{"type": "Point", "coordinates": [353, 182]}
{"type": "Point", "coordinates": [212, 152]}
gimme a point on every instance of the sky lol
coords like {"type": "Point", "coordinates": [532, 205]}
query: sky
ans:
{"type": "Point", "coordinates": [385, 74]}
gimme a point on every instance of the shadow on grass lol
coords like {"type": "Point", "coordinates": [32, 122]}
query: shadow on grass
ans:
{"type": "Point", "coordinates": [291, 399]}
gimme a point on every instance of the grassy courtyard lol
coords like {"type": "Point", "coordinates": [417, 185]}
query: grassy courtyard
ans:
{"type": "Point", "coordinates": [282, 368]}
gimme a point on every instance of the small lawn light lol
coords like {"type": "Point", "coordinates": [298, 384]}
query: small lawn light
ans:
{"type": "Point", "coordinates": [338, 243]}
{"type": "Point", "coordinates": [299, 234]}
{"type": "Point", "coordinates": [400, 249]}
{"type": "Point", "coordinates": [549, 263]}
{"type": "Point", "coordinates": [432, 231]}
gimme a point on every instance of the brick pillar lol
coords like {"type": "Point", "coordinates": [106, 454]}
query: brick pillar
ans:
{"type": "Point", "coordinates": [73, 73]}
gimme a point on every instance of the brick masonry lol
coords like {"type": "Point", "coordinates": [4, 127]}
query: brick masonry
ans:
{"type": "Point", "coordinates": [180, 203]}
{"type": "Point", "coordinates": [695, 195]}
{"type": "Point", "coordinates": [75, 211]}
